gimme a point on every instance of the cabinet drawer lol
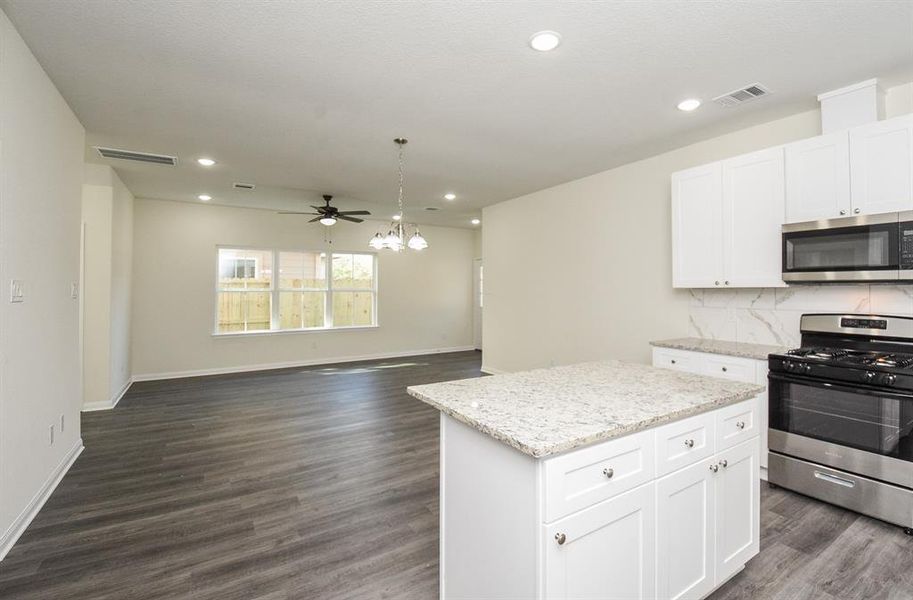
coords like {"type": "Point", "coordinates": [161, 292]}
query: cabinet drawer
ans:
{"type": "Point", "coordinates": [584, 477]}
{"type": "Point", "coordinates": [684, 442]}
{"type": "Point", "coordinates": [736, 423]}
{"type": "Point", "coordinates": [676, 359]}
{"type": "Point", "coordinates": [731, 367]}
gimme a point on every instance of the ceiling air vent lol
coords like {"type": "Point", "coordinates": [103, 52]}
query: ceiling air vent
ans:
{"type": "Point", "coordinates": [741, 96]}
{"type": "Point", "coordinates": [240, 185]}
{"type": "Point", "coordinates": [158, 159]}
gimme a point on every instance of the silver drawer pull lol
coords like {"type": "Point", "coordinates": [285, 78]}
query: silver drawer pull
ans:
{"type": "Point", "coordinates": [725, 369]}
{"type": "Point", "coordinates": [689, 443]}
{"type": "Point", "coordinates": [560, 538]}
{"type": "Point", "coordinates": [608, 472]}
{"type": "Point", "coordinates": [740, 424]}
{"type": "Point", "coordinates": [724, 463]}
{"type": "Point", "coordinates": [714, 468]}
{"type": "Point", "coordinates": [673, 361]}
{"type": "Point", "coordinates": [834, 479]}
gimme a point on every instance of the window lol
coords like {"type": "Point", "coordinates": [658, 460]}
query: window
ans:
{"type": "Point", "coordinates": [306, 291]}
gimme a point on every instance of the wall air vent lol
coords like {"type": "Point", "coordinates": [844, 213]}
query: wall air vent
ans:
{"type": "Point", "coordinates": [431, 208]}
{"type": "Point", "coordinates": [158, 159]}
{"type": "Point", "coordinates": [240, 185]}
{"type": "Point", "coordinates": [743, 95]}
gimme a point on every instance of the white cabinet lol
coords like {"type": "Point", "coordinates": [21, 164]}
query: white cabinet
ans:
{"type": "Point", "coordinates": [726, 219]}
{"type": "Point", "coordinates": [697, 227]}
{"type": "Point", "coordinates": [606, 551]}
{"type": "Point", "coordinates": [707, 522]}
{"type": "Point", "coordinates": [737, 508]}
{"type": "Point", "coordinates": [818, 178]}
{"type": "Point", "coordinates": [685, 532]}
{"type": "Point", "coordinates": [753, 212]}
{"type": "Point", "coordinates": [881, 166]}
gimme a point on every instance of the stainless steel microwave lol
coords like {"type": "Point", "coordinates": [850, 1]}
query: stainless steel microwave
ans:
{"type": "Point", "coordinates": [864, 248]}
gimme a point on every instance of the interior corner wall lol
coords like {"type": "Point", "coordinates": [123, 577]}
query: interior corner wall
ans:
{"type": "Point", "coordinates": [424, 298]}
{"type": "Point", "coordinates": [107, 216]}
{"type": "Point", "coordinates": [41, 172]}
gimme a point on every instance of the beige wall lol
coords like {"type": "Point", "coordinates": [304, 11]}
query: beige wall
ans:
{"type": "Point", "coordinates": [583, 270]}
{"type": "Point", "coordinates": [41, 165]}
{"type": "Point", "coordinates": [107, 216]}
{"type": "Point", "coordinates": [424, 300]}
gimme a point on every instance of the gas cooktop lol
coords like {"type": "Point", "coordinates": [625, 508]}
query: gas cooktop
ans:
{"type": "Point", "coordinates": [857, 358]}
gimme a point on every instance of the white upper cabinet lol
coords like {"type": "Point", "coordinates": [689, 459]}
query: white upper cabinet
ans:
{"type": "Point", "coordinates": [753, 210]}
{"type": "Point", "coordinates": [697, 227]}
{"type": "Point", "coordinates": [818, 178]}
{"type": "Point", "coordinates": [881, 166]}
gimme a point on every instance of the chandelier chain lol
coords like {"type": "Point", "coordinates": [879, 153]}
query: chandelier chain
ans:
{"type": "Point", "coordinates": [402, 178]}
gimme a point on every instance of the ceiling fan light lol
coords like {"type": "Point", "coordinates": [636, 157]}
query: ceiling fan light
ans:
{"type": "Point", "coordinates": [327, 221]}
{"type": "Point", "coordinates": [417, 242]}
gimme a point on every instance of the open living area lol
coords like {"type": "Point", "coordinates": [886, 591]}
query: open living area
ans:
{"type": "Point", "coordinates": [514, 300]}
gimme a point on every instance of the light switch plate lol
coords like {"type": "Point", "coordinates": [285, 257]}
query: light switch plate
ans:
{"type": "Point", "coordinates": [17, 292]}
{"type": "Point", "coordinates": [74, 290]}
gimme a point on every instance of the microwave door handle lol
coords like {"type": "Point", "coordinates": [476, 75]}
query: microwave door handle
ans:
{"type": "Point", "coordinates": [841, 386]}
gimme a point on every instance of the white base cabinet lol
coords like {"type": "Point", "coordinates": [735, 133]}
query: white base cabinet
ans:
{"type": "Point", "coordinates": [669, 512]}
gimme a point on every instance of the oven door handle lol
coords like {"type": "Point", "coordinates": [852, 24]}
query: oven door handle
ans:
{"type": "Point", "coordinates": [840, 385]}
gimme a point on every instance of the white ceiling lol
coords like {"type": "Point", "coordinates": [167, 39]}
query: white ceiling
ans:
{"type": "Point", "coordinates": [304, 98]}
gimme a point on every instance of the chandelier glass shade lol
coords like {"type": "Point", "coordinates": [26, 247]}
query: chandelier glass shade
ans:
{"type": "Point", "coordinates": [398, 234]}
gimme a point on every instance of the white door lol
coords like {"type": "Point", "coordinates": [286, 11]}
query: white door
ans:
{"type": "Point", "coordinates": [738, 491]}
{"type": "Point", "coordinates": [753, 212]}
{"type": "Point", "coordinates": [697, 227]}
{"type": "Point", "coordinates": [608, 550]}
{"type": "Point", "coordinates": [881, 166]}
{"type": "Point", "coordinates": [818, 178]}
{"type": "Point", "coordinates": [477, 289]}
{"type": "Point", "coordinates": [684, 532]}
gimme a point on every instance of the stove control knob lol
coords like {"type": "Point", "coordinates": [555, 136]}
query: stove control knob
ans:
{"type": "Point", "coordinates": [808, 368]}
{"type": "Point", "coordinates": [789, 365]}
{"type": "Point", "coordinates": [868, 376]}
{"type": "Point", "coordinates": [889, 379]}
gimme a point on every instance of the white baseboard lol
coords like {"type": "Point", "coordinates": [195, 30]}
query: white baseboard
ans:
{"type": "Point", "coordinates": [492, 370]}
{"type": "Point", "coordinates": [295, 363]}
{"type": "Point", "coordinates": [19, 525]}
{"type": "Point", "coordinates": [92, 406]}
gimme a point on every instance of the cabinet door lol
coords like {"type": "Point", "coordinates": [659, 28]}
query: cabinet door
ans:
{"type": "Point", "coordinates": [737, 508]}
{"type": "Point", "coordinates": [818, 178]}
{"type": "Point", "coordinates": [753, 212]}
{"type": "Point", "coordinates": [881, 166]}
{"type": "Point", "coordinates": [685, 539]}
{"type": "Point", "coordinates": [607, 551]}
{"type": "Point", "coordinates": [697, 227]}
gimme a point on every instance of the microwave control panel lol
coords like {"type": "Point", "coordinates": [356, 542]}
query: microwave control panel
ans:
{"type": "Point", "coordinates": [906, 245]}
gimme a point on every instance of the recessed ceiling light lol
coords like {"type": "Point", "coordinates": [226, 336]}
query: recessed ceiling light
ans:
{"type": "Point", "coordinates": [205, 197]}
{"type": "Point", "coordinates": [689, 104]}
{"type": "Point", "coordinates": [206, 162]}
{"type": "Point", "coordinates": [475, 221]}
{"type": "Point", "coordinates": [544, 41]}
{"type": "Point", "coordinates": [397, 217]}
{"type": "Point", "coordinates": [449, 196]}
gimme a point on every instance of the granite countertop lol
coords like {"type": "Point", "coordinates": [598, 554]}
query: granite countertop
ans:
{"type": "Point", "coordinates": [548, 411]}
{"type": "Point", "coordinates": [741, 349]}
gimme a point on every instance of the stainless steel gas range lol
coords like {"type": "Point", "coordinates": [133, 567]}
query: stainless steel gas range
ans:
{"type": "Point", "coordinates": [841, 414]}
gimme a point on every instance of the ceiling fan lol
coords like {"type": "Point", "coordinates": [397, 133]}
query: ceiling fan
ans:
{"type": "Point", "coordinates": [328, 215]}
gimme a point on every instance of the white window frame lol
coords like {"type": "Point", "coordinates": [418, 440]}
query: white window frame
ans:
{"type": "Point", "coordinates": [274, 292]}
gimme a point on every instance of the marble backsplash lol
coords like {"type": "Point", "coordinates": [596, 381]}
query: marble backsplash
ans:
{"type": "Point", "coordinates": [771, 315]}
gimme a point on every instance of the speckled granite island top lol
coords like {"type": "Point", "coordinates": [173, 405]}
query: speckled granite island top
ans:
{"type": "Point", "coordinates": [548, 411]}
{"type": "Point", "coordinates": [742, 349]}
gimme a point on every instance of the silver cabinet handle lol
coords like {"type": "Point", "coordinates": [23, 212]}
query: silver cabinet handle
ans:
{"type": "Point", "coordinates": [834, 479]}
{"type": "Point", "coordinates": [856, 210]}
{"type": "Point", "coordinates": [724, 463]}
{"type": "Point", "coordinates": [843, 212]}
{"type": "Point", "coordinates": [716, 283]}
{"type": "Point", "coordinates": [740, 424]}
{"type": "Point", "coordinates": [725, 369]}
{"type": "Point", "coordinates": [714, 468]}
{"type": "Point", "coordinates": [689, 443]}
{"type": "Point", "coordinates": [726, 282]}
{"type": "Point", "coordinates": [673, 361]}
{"type": "Point", "coordinates": [560, 538]}
{"type": "Point", "coordinates": [608, 472]}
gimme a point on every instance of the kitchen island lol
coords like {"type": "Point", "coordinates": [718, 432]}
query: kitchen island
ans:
{"type": "Point", "coordinates": [597, 480]}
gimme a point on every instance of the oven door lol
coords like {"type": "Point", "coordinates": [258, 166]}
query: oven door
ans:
{"type": "Point", "coordinates": [861, 430]}
{"type": "Point", "coordinates": [851, 249]}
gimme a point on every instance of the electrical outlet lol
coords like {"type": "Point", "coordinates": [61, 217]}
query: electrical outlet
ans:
{"type": "Point", "coordinates": [74, 290]}
{"type": "Point", "coordinates": [17, 291]}
{"type": "Point", "coordinates": [51, 435]}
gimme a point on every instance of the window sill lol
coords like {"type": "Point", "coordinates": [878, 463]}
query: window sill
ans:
{"type": "Point", "coordinates": [235, 334]}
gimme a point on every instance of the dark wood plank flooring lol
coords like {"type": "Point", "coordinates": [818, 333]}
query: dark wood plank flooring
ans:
{"type": "Point", "coordinates": [321, 483]}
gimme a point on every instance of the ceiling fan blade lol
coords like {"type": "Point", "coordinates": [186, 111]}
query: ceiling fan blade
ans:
{"type": "Point", "coordinates": [315, 219]}
{"type": "Point", "coordinates": [354, 212]}
{"type": "Point", "coordinates": [291, 212]}
{"type": "Point", "coordinates": [352, 219]}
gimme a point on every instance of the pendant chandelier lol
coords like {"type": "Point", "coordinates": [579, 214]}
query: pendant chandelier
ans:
{"type": "Point", "coordinates": [398, 233]}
